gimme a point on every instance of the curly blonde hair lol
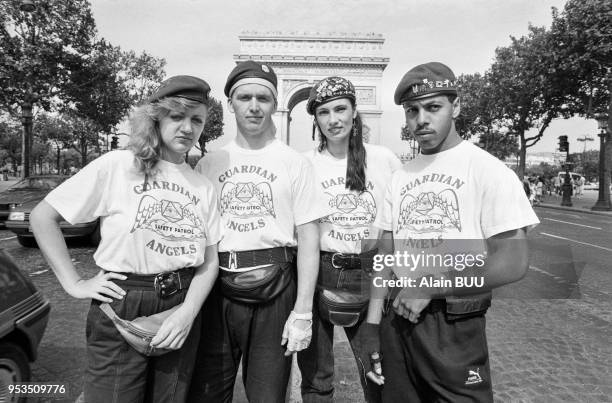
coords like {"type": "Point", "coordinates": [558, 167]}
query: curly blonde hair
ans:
{"type": "Point", "coordinates": [145, 138]}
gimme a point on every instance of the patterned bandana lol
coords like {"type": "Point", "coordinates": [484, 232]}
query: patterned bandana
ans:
{"type": "Point", "coordinates": [328, 89]}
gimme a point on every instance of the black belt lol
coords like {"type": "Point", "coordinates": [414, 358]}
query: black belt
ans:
{"type": "Point", "coordinates": [349, 261]}
{"type": "Point", "coordinates": [257, 257]}
{"type": "Point", "coordinates": [165, 284]}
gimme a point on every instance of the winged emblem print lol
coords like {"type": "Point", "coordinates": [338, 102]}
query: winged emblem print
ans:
{"type": "Point", "coordinates": [168, 218]}
{"type": "Point", "coordinates": [351, 209]}
{"type": "Point", "coordinates": [429, 212]}
{"type": "Point", "coordinates": [246, 199]}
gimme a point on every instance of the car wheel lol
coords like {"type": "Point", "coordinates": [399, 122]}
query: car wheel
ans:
{"type": "Point", "coordinates": [26, 241]}
{"type": "Point", "coordinates": [14, 368]}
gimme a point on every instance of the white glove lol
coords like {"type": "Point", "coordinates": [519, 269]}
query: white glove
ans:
{"type": "Point", "coordinates": [297, 339]}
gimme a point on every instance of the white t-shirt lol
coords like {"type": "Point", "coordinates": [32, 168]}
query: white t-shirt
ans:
{"type": "Point", "coordinates": [350, 224]}
{"type": "Point", "coordinates": [460, 193]}
{"type": "Point", "coordinates": [263, 195]}
{"type": "Point", "coordinates": [146, 230]}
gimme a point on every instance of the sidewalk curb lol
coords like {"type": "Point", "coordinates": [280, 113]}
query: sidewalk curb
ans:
{"type": "Point", "coordinates": [574, 209]}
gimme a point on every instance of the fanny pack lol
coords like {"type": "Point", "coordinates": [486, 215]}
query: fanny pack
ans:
{"type": "Point", "coordinates": [139, 332]}
{"type": "Point", "coordinates": [343, 307]}
{"type": "Point", "coordinates": [259, 285]}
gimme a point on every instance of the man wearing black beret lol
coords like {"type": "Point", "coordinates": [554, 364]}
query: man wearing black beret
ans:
{"type": "Point", "coordinates": [260, 311]}
{"type": "Point", "coordinates": [457, 197]}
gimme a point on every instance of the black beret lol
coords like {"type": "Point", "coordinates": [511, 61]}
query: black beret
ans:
{"type": "Point", "coordinates": [188, 87]}
{"type": "Point", "coordinates": [251, 69]}
{"type": "Point", "coordinates": [329, 89]}
{"type": "Point", "coordinates": [425, 80]}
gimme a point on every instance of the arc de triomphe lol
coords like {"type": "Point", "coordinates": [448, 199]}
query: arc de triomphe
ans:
{"type": "Point", "coordinates": [300, 59]}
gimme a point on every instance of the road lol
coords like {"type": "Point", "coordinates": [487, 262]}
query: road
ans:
{"type": "Point", "coordinates": [549, 334]}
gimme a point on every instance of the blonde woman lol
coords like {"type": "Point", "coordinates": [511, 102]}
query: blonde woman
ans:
{"type": "Point", "coordinates": [159, 230]}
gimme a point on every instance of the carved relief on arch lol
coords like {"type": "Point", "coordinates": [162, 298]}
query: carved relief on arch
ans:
{"type": "Point", "coordinates": [298, 93]}
{"type": "Point", "coordinates": [288, 85]}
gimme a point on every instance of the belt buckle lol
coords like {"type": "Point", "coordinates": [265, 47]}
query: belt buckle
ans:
{"type": "Point", "coordinates": [166, 284]}
{"type": "Point", "coordinates": [232, 263]}
{"type": "Point", "coordinates": [334, 265]}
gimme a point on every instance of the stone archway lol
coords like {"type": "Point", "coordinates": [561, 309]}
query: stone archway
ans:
{"type": "Point", "coordinates": [300, 59]}
{"type": "Point", "coordinates": [300, 93]}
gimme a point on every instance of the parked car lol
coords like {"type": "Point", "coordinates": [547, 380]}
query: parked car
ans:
{"type": "Point", "coordinates": [24, 191]}
{"type": "Point", "coordinates": [24, 313]}
{"type": "Point", "coordinates": [576, 177]}
{"type": "Point", "coordinates": [25, 195]}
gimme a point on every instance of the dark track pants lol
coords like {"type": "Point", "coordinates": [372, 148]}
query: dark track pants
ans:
{"type": "Point", "coordinates": [231, 331]}
{"type": "Point", "coordinates": [435, 360]}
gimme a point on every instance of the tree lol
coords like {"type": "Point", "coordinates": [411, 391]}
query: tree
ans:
{"type": "Point", "coordinates": [214, 124]}
{"type": "Point", "coordinates": [475, 117]}
{"type": "Point", "coordinates": [51, 58]}
{"type": "Point", "coordinates": [121, 79]}
{"type": "Point", "coordinates": [582, 36]}
{"type": "Point", "coordinates": [40, 151]}
{"type": "Point", "coordinates": [55, 131]}
{"type": "Point", "coordinates": [526, 91]}
{"type": "Point", "coordinates": [501, 145]}
{"type": "Point", "coordinates": [85, 138]}
{"type": "Point", "coordinates": [543, 170]}
{"type": "Point", "coordinates": [141, 74]}
{"type": "Point", "coordinates": [40, 49]}
{"type": "Point", "coordinates": [582, 40]}
{"type": "Point", "coordinates": [10, 143]}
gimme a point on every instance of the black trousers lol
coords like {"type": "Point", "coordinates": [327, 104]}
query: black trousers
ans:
{"type": "Point", "coordinates": [435, 360]}
{"type": "Point", "coordinates": [253, 332]}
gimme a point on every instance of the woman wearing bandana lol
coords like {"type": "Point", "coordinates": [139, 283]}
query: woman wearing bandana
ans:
{"type": "Point", "coordinates": [354, 176]}
{"type": "Point", "coordinates": [159, 229]}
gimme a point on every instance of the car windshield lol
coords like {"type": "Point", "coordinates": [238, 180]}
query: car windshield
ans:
{"type": "Point", "coordinates": [38, 183]}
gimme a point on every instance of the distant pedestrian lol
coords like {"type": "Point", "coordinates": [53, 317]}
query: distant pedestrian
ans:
{"type": "Point", "coordinates": [580, 186]}
{"type": "Point", "coordinates": [527, 187]}
{"type": "Point", "coordinates": [557, 184]}
{"type": "Point", "coordinates": [532, 191]}
{"type": "Point", "coordinates": [539, 190]}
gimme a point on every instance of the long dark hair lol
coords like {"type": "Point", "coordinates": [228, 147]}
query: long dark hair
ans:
{"type": "Point", "coordinates": [356, 155]}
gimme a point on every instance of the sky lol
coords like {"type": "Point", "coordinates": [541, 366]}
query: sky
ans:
{"type": "Point", "coordinates": [200, 37]}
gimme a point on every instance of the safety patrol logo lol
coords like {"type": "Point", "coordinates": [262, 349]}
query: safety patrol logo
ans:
{"type": "Point", "coordinates": [351, 209]}
{"type": "Point", "coordinates": [169, 219]}
{"type": "Point", "coordinates": [246, 199]}
{"type": "Point", "coordinates": [429, 212]}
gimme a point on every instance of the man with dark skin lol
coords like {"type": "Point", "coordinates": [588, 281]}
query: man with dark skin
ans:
{"type": "Point", "coordinates": [433, 339]}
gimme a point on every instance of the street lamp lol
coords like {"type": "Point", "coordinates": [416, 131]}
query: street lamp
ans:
{"type": "Point", "coordinates": [603, 200]}
{"type": "Point", "coordinates": [584, 140]}
{"type": "Point", "coordinates": [566, 187]}
{"type": "Point", "coordinates": [27, 6]}
{"type": "Point", "coordinates": [26, 120]}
